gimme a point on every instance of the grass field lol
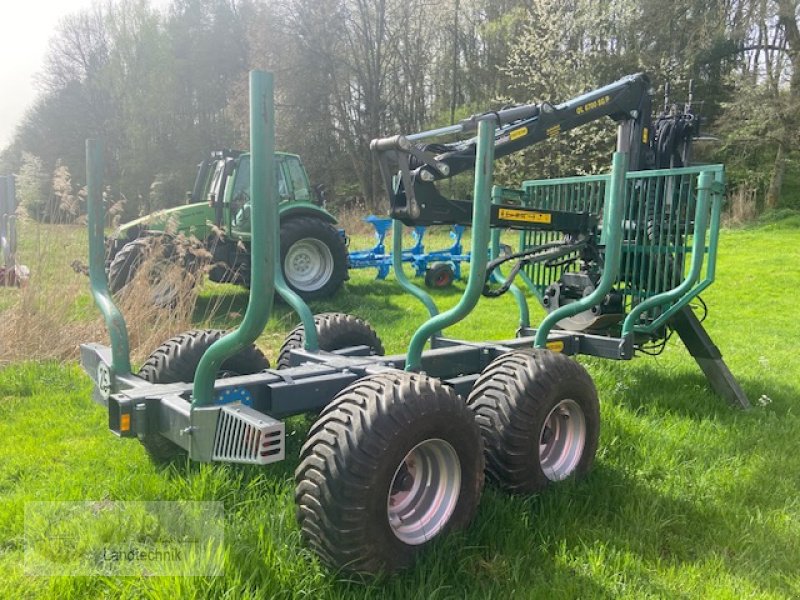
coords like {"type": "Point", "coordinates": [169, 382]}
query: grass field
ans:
{"type": "Point", "coordinates": [688, 497]}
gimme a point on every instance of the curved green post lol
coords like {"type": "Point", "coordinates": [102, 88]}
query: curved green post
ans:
{"type": "Point", "coordinates": [402, 279]}
{"type": "Point", "coordinates": [115, 323]}
{"type": "Point", "coordinates": [481, 217]}
{"type": "Point", "coordinates": [265, 230]}
{"type": "Point", "coordinates": [701, 217]}
{"type": "Point", "coordinates": [297, 304]}
{"type": "Point", "coordinates": [497, 277]}
{"type": "Point", "coordinates": [611, 238]}
{"type": "Point", "coordinates": [716, 219]}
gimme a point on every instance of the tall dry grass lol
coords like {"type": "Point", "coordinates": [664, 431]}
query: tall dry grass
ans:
{"type": "Point", "coordinates": [50, 317]}
{"type": "Point", "coordinates": [742, 205]}
{"type": "Point", "coordinates": [351, 219]}
{"type": "Point", "coordinates": [40, 323]}
{"type": "Point", "coordinates": [160, 300]}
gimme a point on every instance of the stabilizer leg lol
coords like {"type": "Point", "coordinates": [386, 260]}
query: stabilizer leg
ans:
{"type": "Point", "coordinates": [708, 357]}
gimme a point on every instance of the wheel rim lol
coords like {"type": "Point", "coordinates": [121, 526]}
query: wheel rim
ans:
{"type": "Point", "coordinates": [308, 264]}
{"type": "Point", "coordinates": [424, 492]}
{"type": "Point", "coordinates": [562, 440]}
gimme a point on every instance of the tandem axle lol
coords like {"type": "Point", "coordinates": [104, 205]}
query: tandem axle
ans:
{"type": "Point", "coordinates": [261, 400]}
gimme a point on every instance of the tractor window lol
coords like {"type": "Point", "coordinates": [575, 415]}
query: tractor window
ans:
{"type": "Point", "coordinates": [241, 182]}
{"type": "Point", "coordinates": [219, 172]}
{"type": "Point", "coordinates": [297, 174]}
{"type": "Point", "coordinates": [240, 196]}
{"type": "Point", "coordinates": [283, 193]}
{"type": "Point", "coordinates": [202, 181]}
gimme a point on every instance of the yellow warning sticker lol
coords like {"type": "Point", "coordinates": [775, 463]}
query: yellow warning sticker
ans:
{"type": "Point", "coordinates": [553, 131]}
{"type": "Point", "coordinates": [645, 135]}
{"type": "Point", "coordinates": [518, 133]}
{"type": "Point", "coordinates": [556, 346]}
{"type": "Point", "coordinates": [511, 214]}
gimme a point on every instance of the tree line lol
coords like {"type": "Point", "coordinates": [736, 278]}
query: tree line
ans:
{"type": "Point", "coordinates": [163, 87]}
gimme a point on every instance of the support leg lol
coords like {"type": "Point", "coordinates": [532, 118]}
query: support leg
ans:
{"type": "Point", "coordinates": [708, 357]}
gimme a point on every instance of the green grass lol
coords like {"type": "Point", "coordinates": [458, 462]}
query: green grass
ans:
{"type": "Point", "coordinates": [688, 498]}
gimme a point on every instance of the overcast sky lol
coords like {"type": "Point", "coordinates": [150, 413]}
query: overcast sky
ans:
{"type": "Point", "coordinates": [26, 28]}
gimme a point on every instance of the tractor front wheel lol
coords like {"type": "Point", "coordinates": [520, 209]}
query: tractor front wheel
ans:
{"type": "Point", "coordinates": [126, 262]}
{"type": "Point", "coordinates": [313, 257]}
{"type": "Point", "coordinates": [393, 463]}
{"type": "Point", "coordinates": [170, 270]}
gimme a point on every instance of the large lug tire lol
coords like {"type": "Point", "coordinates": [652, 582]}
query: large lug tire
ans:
{"type": "Point", "coordinates": [176, 361]}
{"type": "Point", "coordinates": [313, 257]}
{"type": "Point", "coordinates": [161, 255]}
{"type": "Point", "coordinates": [394, 462]}
{"type": "Point", "coordinates": [540, 419]}
{"type": "Point", "coordinates": [126, 263]}
{"type": "Point", "coordinates": [335, 331]}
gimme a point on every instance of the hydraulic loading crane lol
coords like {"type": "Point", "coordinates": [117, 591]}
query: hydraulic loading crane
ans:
{"type": "Point", "coordinates": [563, 251]}
{"type": "Point", "coordinates": [416, 200]}
{"type": "Point", "coordinates": [410, 172]}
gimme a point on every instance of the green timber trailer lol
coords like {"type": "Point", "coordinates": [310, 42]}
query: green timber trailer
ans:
{"type": "Point", "coordinates": [397, 456]}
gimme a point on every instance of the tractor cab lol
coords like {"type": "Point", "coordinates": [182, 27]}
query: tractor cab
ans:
{"type": "Point", "coordinates": [291, 179]}
{"type": "Point", "coordinates": [224, 182]}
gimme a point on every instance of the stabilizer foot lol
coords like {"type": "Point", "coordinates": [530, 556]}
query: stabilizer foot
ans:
{"type": "Point", "coordinates": [708, 357]}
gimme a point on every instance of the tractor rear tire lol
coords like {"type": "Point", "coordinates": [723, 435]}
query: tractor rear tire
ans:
{"type": "Point", "coordinates": [539, 417]}
{"type": "Point", "coordinates": [335, 331]}
{"type": "Point", "coordinates": [176, 361]}
{"type": "Point", "coordinates": [313, 257]}
{"type": "Point", "coordinates": [394, 462]}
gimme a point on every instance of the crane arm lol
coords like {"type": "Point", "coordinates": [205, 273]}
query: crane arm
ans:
{"type": "Point", "coordinates": [413, 195]}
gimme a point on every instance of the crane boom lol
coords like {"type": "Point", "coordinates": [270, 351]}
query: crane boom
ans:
{"type": "Point", "coordinates": [413, 195]}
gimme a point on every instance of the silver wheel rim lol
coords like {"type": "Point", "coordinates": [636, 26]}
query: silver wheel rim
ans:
{"type": "Point", "coordinates": [424, 491]}
{"type": "Point", "coordinates": [562, 439]}
{"type": "Point", "coordinates": [308, 265]}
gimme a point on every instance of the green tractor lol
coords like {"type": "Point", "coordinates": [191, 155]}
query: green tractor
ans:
{"type": "Point", "coordinates": [217, 213]}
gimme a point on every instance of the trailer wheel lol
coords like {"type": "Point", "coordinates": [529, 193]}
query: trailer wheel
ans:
{"type": "Point", "coordinates": [539, 417]}
{"type": "Point", "coordinates": [176, 361]}
{"type": "Point", "coordinates": [335, 331]}
{"type": "Point", "coordinates": [394, 462]}
{"type": "Point", "coordinates": [440, 275]}
{"type": "Point", "coordinates": [313, 256]}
